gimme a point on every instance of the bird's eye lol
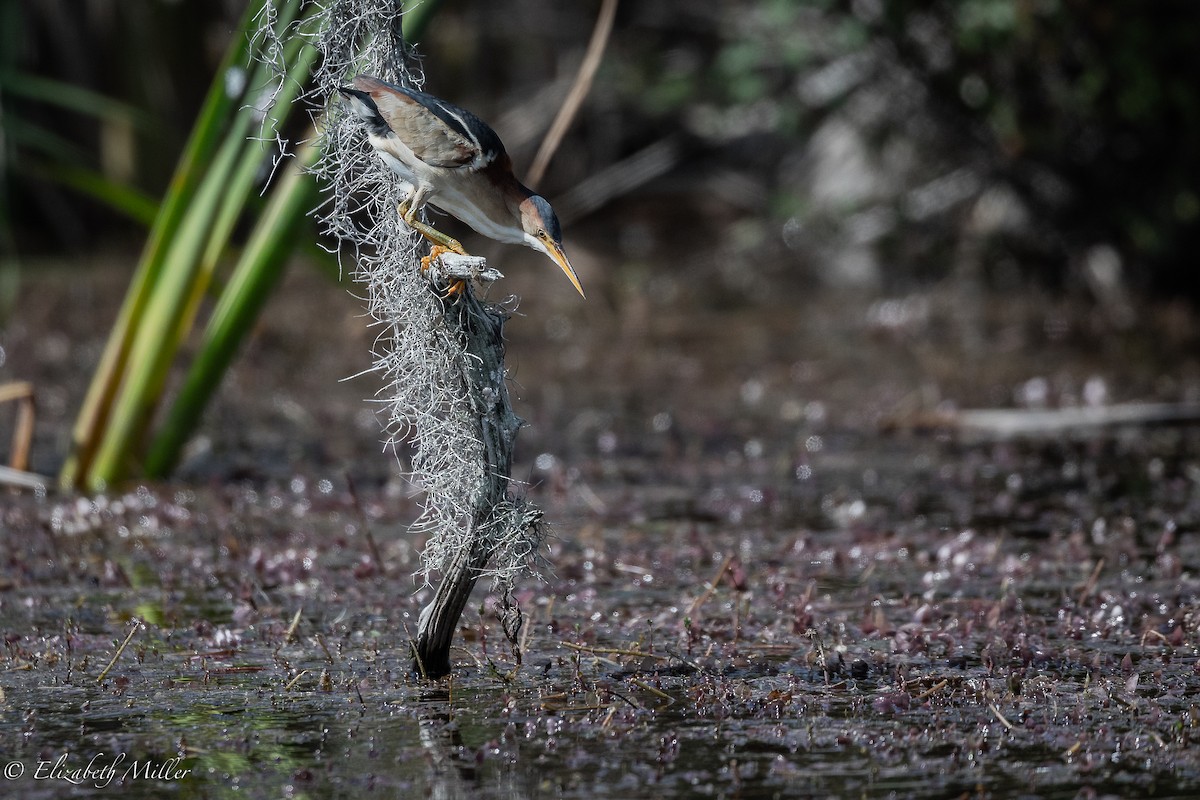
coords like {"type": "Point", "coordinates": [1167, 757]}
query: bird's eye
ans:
{"type": "Point", "coordinates": [540, 233]}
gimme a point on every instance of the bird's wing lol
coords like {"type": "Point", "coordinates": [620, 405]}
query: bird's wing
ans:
{"type": "Point", "coordinates": [439, 133]}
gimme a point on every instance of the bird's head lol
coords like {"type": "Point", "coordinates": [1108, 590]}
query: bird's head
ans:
{"type": "Point", "coordinates": [359, 101]}
{"type": "Point", "coordinates": [542, 232]}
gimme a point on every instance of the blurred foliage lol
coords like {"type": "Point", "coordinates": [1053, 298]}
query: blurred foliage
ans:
{"type": "Point", "coordinates": [880, 143]}
{"type": "Point", "coordinates": [1089, 108]}
{"type": "Point", "coordinates": [833, 133]}
{"type": "Point", "coordinates": [899, 124]}
{"type": "Point", "coordinates": [34, 151]}
{"type": "Point", "coordinates": [98, 94]}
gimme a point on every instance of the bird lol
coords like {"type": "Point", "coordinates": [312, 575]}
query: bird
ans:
{"type": "Point", "coordinates": [452, 159]}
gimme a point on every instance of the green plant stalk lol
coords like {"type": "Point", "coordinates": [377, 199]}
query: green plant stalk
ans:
{"type": "Point", "coordinates": [205, 136]}
{"type": "Point", "coordinates": [26, 137]}
{"type": "Point", "coordinates": [239, 184]}
{"type": "Point", "coordinates": [179, 296]}
{"type": "Point", "coordinates": [176, 294]}
{"type": "Point", "coordinates": [189, 265]}
{"type": "Point", "coordinates": [92, 425]}
{"type": "Point", "coordinates": [152, 346]}
{"type": "Point", "coordinates": [255, 276]}
{"type": "Point", "coordinates": [241, 301]}
{"type": "Point", "coordinates": [73, 98]}
{"type": "Point", "coordinates": [202, 239]}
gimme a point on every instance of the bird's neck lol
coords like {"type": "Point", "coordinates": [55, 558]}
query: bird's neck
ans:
{"type": "Point", "coordinates": [513, 193]}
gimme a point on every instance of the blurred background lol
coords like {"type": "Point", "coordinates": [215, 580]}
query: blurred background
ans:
{"type": "Point", "coordinates": [876, 143]}
{"type": "Point", "coordinates": [737, 155]}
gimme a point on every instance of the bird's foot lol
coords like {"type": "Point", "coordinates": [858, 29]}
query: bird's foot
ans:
{"type": "Point", "coordinates": [457, 286]}
{"type": "Point", "coordinates": [435, 253]}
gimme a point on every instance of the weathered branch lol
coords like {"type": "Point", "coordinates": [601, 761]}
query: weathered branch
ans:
{"type": "Point", "coordinates": [480, 329]}
{"type": "Point", "coordinates": [467, 268]}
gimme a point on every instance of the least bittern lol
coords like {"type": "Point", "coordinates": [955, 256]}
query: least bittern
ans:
{"type": "Point", "coordinates": [455, 161]}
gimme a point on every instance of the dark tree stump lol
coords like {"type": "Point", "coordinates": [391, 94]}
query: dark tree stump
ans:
{"type": "Point", "coordinates": [481, 327]}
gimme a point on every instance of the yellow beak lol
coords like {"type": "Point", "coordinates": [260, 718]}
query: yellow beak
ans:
{"type": "Point", "coordinates": [556, 252]}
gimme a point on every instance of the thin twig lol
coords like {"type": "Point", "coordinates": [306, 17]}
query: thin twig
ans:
{"type": "Point", "coordinates": [372, 548]}
{"type": "Point", "coordinates": [321, 642]}
{"type": "Point", "coordinates": [1007, 422]}
{"type": "Point", "coordinates": [525, 631]}
{"type": "Point", "coordinates": [1000, 716]}
{"type": "Point", "coordinates": [1153, 634]}
{"type": "Point", "coordinates": [1090, 586]}
{"type": "Point", "coordinates": [22, 439]}
{"type": "Point", "coordinates": [591, 707]}
{"type": "Point", "coordinates": [620, 696]}
{"type": "Point", "coordinates": [416, 653]}
{"type": "Point", "coordinates": [579, 91]}
{"type": "Point", "coordinates": [652, 690]}
{"type": "Point", "coordinates": [712, 587]}
{"type": "Point", "coordinates": [932, 690]}
{"type": "Point", "coordinates": [290, 634]}
{"type": "Point", "coordinates": [471, 655]}
{"type": "Point", "coordinates": [23, 480]}
{"type": "Point", "coordinates": [137, 623]}
{"type": "Point", "coordinates": [292, 683]}
{"type": "Point", "coordinates": [613, 651]}
{"type": "Point", "coordinates": [620, 179]}
{"type": "Point", "coordinates": [684, 661]}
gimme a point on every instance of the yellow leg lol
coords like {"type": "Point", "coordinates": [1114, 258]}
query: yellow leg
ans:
{"type": "Point", "coordinates": [441, 243]}
{"type": "Point", "coordinates": [409, 215]}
